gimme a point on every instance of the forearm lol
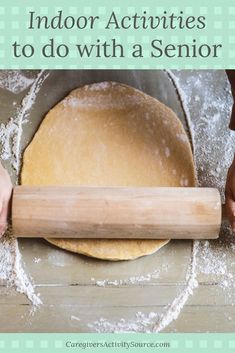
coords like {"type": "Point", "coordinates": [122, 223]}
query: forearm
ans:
{"type": "Point", "coordinates": [5, 196]}
{"type": "Point", "coordinates": [231, 77]}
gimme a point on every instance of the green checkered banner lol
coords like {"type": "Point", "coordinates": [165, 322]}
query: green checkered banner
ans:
{"type": "Point", "coordinates": [101, 343]}
{"type": "Point", "coordinates": [108, 34]}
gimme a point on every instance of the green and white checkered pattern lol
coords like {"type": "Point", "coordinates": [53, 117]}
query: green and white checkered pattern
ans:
{"type": "Point", "coordinates": [14, 21]}
{"type": "Point", "coordinates": [58, 343]}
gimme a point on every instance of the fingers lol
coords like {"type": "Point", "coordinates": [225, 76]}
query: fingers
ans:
{"type": "Point", "coordinates": [230, 208]}
{"type": "Point", "coordinates": [3, 228]}
{"type": "Point", "coordinates": [3, 217]}
{"type": "Point", "coordinates": [5, 196]}
{"type": "Point", "coordinates": [4, 211]}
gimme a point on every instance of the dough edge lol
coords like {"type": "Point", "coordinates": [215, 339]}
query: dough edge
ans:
{"type": "Point", "coordinates": [120, 247]}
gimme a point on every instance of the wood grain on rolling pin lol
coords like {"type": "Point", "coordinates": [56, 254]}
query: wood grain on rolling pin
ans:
{"type": "Point", "coordinates": [116, 212]}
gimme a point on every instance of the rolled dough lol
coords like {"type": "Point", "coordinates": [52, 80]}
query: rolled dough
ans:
{"type": "Point", "coordinates": [109, 134]}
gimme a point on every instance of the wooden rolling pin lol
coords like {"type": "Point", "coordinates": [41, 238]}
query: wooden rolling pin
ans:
{"type": "Point", "coordinates": [116, 212]}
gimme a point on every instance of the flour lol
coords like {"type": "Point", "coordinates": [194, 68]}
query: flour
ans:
{"type": "Point", "coordinates": [213, 150]}
{"type": "Point", "coordinates": [142, 323]}
{"type": "Point", "coordinates": [167, 152]}
{"type": "Point", "coordinates": [11, 133]}
{"type": "Point", "coordinates": [213, 153]}
{"type": "Point", "coordinates": [14, 81]}
{"type": "Point", "coordinates": [100, 86]}
{"type": "Point", "coordinates": [102, 102]}
{"type": "Point", "coordinates": [128, 281]}
{"type": "Point", "coordinates": [183, 100]}
{"type": "Point", "coordinates": [208, 120]}
{"type": "Point", "coordinates": [182, 137]}
{"type": "Point", "coordinates": [6, 135]}
{"type": "Point", "coordinates": [213, 146]}
{"type": "Point", "coordinates": [11, 268]}
{"type": "Point", "coordinates": [215, 259]}
{"type": "Point", "coordinates": [57, 258]}
{"type": "Point", "coordinates": [154, 322]}
{"type": "Point", "coordinates": [173, 310]}
{"type": "Point", "coordinates": [75, 318]}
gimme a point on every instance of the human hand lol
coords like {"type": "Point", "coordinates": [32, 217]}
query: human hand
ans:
{"type": "Point", "coordinates": [230, 195]}
{"type": "Point", "coordinates": [5, 196]}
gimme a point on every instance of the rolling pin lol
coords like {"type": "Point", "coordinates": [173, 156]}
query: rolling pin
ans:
{"type": "Point", "coordinates": [116, 212]}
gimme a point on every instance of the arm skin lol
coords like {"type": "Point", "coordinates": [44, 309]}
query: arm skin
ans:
{"type": "Point", "coordinates": [230, 195]}
{"type": "Point", "coordinates": [230, 183]}
{"type": "Point", "coordinates": [5, 196]}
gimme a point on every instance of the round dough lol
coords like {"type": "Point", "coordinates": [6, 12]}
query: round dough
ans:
{"type": "Point", "coordinates": [109, 134]}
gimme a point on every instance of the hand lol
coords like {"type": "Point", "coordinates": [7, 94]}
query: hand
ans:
{"type": "Point", "coordinates": [230, 195]}
{"type": "Point", "coordinates": [5, 196]}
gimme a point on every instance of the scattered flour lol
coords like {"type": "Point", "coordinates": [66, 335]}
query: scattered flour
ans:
{"type": "Point", "coordinates": [183, 100]}
{"type": "Point", "coordinates": [11, 268]}
{"type": "Point", "coordinates": [213, 149]}
{"type": "Point", "coordinates": [182, 137]}
{"type": "Point", "coordinates": [14, 81]}
{"type": "Point", "coordinates": [167, 152]}
{"type": "Point", "coordinates": [173, 310]}
{"type": "Point", "coordinates": [75, 318]}
{"type": "Point", "coordinates": [11, 133]}
{"type": "Point", "coordinates": [215, 259]}
{"type": "Point", "coordinates": [100, 86]}
{"type": "Point", "coordinates": [213, 152]}
{"type": "Point", "coordinates": [57, 258]}
{"type": "Point", "coordinates": [130, 280]}
{"type": "Point", "coordinates": [140, 323]}
{"type": "Point", "coordinates": [208, 120]}
{"type": "Point", "coordinates": [98, 102]}
{"type": "Point", "coordinates": [213, 146]}
{"type": "Point", "coordinates": [153, 322]}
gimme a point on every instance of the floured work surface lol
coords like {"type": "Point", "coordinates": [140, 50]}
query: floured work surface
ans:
{"type": "Point", "coordinates": [81, 294]}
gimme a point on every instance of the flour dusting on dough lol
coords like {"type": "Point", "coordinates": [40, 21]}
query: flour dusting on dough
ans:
{"type": "Point", "coordinates": [167, 152]}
